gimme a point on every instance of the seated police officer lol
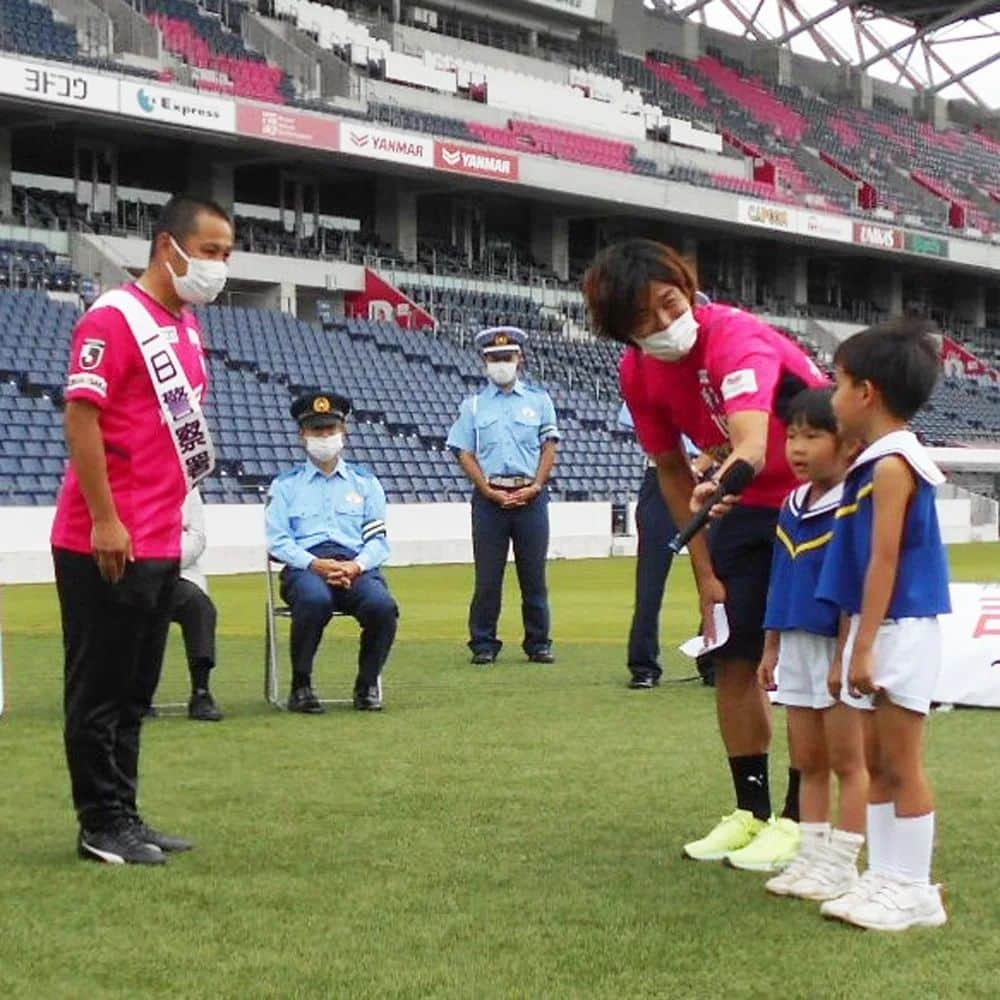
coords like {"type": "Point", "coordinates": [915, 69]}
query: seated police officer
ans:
{"type": "Point", "coordinates": [326, 522]}
{"type": "Point", "coordinates": [505, 440]}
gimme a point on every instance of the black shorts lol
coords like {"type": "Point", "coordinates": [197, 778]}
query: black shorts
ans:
{"type": "Point", "coordinates": [742, 545]}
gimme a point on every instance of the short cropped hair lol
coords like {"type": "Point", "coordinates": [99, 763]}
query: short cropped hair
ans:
{"type": "Point", "coordinates": [616, 284]}
{"type": "Point", "coordinates": [813, 408]}
{"type": "Point", "coordinates": [900, 357]}
{"type": "Point", "coordinates": [179, 217]}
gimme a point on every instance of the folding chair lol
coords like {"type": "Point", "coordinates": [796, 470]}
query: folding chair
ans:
{"type": "Point", "coordinates": [273, 610]}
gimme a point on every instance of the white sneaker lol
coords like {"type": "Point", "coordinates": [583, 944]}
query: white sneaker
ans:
{"type": "Point", "coordinates": [865, 887]}
{"type": "Point", "coordinates": [782, 883]}
{"type": "Point", "coordinates": [897, 906]}
{"type": "Point", "coordinates": [827, 879]}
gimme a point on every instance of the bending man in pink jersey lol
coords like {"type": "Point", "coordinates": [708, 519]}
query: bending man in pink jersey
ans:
{"type": "Point", "coordinates": [722, 377]}
{"type": "Point", "coordinates": [138, 443]}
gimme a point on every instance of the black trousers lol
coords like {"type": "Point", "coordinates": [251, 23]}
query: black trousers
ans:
{"type": "Point", "coordinates": [494, 530]}
{"type": "Point", "coordinates": [114, 637]}
{"type": "Point", "coordinates": [655, 527]}
{"type": "Point", "coordinates": [194, 611]}
{"type": "Point", "coordinates": [313, 602]}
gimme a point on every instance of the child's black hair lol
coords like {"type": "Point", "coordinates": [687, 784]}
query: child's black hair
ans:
{"type": "Point", "coordinates": [900, 357]}
{"type": "Point", "coordinates": [813, 408]}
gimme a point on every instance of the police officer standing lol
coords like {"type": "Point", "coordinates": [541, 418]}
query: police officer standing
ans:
{"type": "Point", "coordinates": [505, 439]}
{"type": "Point", "coordinates": [325, 521]}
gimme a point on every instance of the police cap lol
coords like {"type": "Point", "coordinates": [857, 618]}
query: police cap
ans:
{"type": "Point", "coordinates": [320, 409]}
{"type": "Point", "coordinates": [500, 340]}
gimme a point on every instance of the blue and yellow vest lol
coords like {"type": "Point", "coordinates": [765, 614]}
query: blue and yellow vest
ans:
{"type": "Point", "coordinates": [803, 537]}
{"type": "Point", "coordinates": [921, 589]}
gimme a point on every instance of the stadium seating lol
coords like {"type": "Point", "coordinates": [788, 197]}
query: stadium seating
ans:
{"type": "Point", "coordinates": [24, 264]}
{"type": "Point", "coordinates": [406, 388]}
{"type": "Point", "coordinates": [227, 66]}
{"type": "Point", "coordinates": [30, 29]}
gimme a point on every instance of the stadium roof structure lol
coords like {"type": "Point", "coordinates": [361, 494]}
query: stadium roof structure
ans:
{"type": "Point", "coordinates": [946, 49]}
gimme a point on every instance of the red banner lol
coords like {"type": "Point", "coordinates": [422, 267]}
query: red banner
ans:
{"type": "Point", "coordinates": [297, 128]}
{"type": "Point", "coordinates": [385, 303]}
{"type": "Point", "coordinates": [959, 360]}
{"type": "Point", "coordinates": [475, 161]}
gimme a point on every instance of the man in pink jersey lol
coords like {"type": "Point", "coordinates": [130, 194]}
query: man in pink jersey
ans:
{"type": "Point", "coordinates": [137, 442]}
{"type": "Point", "coordinates": [722, 377]}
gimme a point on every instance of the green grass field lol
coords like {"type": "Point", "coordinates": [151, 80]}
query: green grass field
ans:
{"type": "Point", "coordinates": [513, 832]}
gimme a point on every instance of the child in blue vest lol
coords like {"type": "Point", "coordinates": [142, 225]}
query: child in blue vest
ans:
{"type": "Point", "coordinates": [887, 572]}
{"type": "Point", "coordinates": [800, 646]}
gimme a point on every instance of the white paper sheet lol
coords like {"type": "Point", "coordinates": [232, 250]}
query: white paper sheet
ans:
{"type": "Point", "coordinates": [697, 645]}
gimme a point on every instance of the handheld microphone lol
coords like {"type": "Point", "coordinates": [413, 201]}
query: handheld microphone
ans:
{"type": "Point", "coordinates": [733, 482]}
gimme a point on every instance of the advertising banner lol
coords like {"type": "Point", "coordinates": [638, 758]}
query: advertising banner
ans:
{"type": "Point", "coordinates": [868, 234]}
{"type": "Point", "coordinates": [581, 8]}
{"type": "Point", "coordinates": [393, 147]}
{"type": "Point", "coordinates": [970, 673]}
{"type": "Point", "coordinates": [296, 128]}
{"type": "Point", "coordinates": [170, 106]}
{"type": "Point", "coordinates": [766, 215]}
{"type": "Point", "coordinates": [957, 360]}
{"type": "Point", "coordinates": [62, 84]}
{"type": "Point", "coordinates": [475, 161]}
{"type": "Point", "coordinates": [825, 227]}
{"type": "Point", "coordinates": [931, 246]}
{"type": "Point", "coordinates": [385, 303]}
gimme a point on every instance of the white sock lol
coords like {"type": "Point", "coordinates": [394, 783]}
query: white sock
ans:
{"type": "Point", "coordinates": [913, 846]}
{"type": "Point", "coordinates": [814, 838]}
{"type": "Point", "coordinates": [846, 846]}
{"type": "Point", "coordinates": [881, 822]}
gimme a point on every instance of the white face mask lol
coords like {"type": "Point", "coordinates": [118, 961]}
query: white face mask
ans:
{"type": "Point", "coordinates": [673, 343]}
{"type": "Point", "coordinates": [204, 280]}
{"type": "Point", "coordinates": [501, 372]}
{"type": "Point", "coordinates": [325, 449]}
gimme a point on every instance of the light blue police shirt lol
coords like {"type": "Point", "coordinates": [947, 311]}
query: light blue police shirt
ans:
{"type": "Point", "coordinates": [505, 430]}
{"type": "Point", "coordinates": [625, 420]}
{"type": "Point", "coordinates": [306, 508]}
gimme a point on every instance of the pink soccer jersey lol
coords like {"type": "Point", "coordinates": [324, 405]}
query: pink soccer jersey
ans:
{"type": "Point", "coordinates": [738, 363]}
{"type": "Point", "coordinates": [107, 369]}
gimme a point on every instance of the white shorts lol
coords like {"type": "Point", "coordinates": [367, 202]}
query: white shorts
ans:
{"type": "Point", "coordinates": [803, 668]}
{"type": "Point", "coordinates": [907, 655]}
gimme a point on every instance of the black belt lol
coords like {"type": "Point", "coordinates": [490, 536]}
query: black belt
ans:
{"type": "Point", "coordinates": [511, 482]}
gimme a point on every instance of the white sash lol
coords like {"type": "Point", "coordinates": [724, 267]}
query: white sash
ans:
{"type": "Point", "coordinates": [182, 413]}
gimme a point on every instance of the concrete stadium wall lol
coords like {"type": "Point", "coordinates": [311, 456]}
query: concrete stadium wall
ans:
{"type": "Point", "coordinates": [421, 534]}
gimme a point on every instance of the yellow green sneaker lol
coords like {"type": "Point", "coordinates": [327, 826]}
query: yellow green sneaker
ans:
{"type": "Point", "coordinates": [774, 847]}
{"type": "Point", "coordinates": [732, 833]}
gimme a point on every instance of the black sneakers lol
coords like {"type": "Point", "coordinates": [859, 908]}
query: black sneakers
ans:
{"type": "Point", "coordinates": [644, 681]}
{"type": "Point", "coordinates": [119, 845]}
{"type": "Point", "coordinates": [303, 699]}
{"type": "Point", "coordinates": [483, 658]}
{"type": "Point", "coordinates": [367, 698]}
{"type": "Point", "coordinates": [164, 841]}
{"type": "Point", "coordinates": [203, 708]}
{"type": "Point", "coordinates": [542, 656]}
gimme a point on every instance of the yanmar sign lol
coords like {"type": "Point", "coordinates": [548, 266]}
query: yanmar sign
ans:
{"type": "Point", "coordinates": [394, 147]}
{"type": "Point", "coordinates": [475, 162]}
{"type": "Point", "coordinates": [882, 237]}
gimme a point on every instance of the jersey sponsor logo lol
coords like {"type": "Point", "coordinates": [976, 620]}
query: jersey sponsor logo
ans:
{"type": "Point", "coordinates": [91, 353]}
{"type": "Point", "coordinates": [87, 380]}
{"type": "Point", "coordinates": [739, 383]}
